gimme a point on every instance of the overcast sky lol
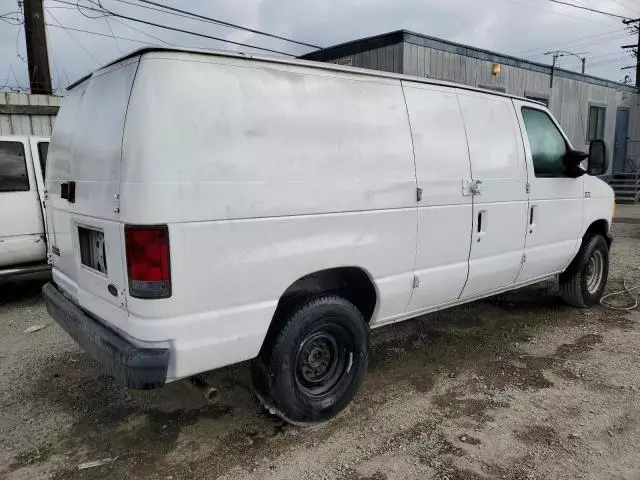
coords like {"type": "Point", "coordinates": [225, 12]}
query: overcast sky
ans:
{"type": "Point", "coordinates": [524, 28]}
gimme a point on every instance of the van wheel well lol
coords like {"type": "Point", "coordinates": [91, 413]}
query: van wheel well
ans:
{"type": "Point", "coordinates": [599, 227]}
{"type": "Point", "coordinates": [351, 283]}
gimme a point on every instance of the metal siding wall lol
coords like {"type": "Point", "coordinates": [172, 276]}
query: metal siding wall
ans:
{"type": "Point", "coordinates": [433, 62]}
{"type": "Point", "coordinates": [357, 60]}
{"type": "Point", "coordinates": [388, 58]}
{"type": "Point", "coordinates": [14, 124]}
{"type": "Point", "coordinates": [413, 60]}
{"type": "Point", "coordinates": [373, 59]}
{"type": "Point", "coordinates": [365, 59]}
{"type": "Point", "coordinates": [398, 53]}
{"type": "Point", "coordinates": [421, 69]}
{"type": "Point", "coordinates": [382, 59]}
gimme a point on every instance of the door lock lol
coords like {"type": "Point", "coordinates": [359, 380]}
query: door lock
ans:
{"type": "Point", "coordinates": [471, 187]}
{"type": "Point", "coordinates": [474, 187]}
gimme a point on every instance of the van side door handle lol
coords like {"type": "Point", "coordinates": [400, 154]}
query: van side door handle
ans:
{"type": "Point", "coordinates": [482, 224]}
{"type": "Point", "coordinates": [533, 213]}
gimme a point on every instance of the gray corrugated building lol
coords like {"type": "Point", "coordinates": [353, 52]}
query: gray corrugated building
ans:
{"type": "Point", "coordinates": [27, 114]}
{"type": "Point", "coordinates": [587, 107]}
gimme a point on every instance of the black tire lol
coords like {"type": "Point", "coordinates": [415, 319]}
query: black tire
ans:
{"type": "Point", "coordinates": [576, 287]}
{"type": "Point", "coordinates": [312, 369]}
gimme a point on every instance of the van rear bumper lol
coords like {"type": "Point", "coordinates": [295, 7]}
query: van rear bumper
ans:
{"type": "Point", "coordinates": [136, 367]}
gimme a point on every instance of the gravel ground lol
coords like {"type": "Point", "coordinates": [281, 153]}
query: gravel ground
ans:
{"type": "Point", "coordinates": [515, 387]}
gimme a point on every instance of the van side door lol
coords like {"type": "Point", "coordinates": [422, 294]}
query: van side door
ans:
{"type": "Point", "coordinates": [556, 202]}
{"type": "Point", "coordinates": [444, 213]}
{"type": "Point", "coordinates": [499, 189]}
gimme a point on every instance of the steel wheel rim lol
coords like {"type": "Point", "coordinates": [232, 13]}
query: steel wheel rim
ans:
{"type": "Point", "coordinates": [594, 271]}
{"type": "Point", "coordinates": [322, 361]}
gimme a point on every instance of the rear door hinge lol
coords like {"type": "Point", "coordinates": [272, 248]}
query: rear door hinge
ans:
{"type": "Point", "coordinates": [419, 194]}
{"type": "Point", "coordinates": [416, 281]}
{"type": "Point", "coordinates": [523, 259]}
{"type": "Point", "coordinates": [528, 187]}
{"type": "Point", "coordinates": [116, 203]}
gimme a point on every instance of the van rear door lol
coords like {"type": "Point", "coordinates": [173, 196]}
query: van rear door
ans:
{"type": "Point", "coordinates": [83, 177]}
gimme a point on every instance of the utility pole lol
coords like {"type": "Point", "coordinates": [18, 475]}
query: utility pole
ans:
{"type": "Point", "coordinates": [36, 40]}
{"type": "Point", "coordinates": [635, 48]}
{"type": "Point", "coordinates": [563, 53]}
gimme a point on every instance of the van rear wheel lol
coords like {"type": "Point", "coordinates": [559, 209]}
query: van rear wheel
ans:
{"type": "Point", "coordinates": [583, 282]}
{"type": "Point", "coordinates": [313, 368]}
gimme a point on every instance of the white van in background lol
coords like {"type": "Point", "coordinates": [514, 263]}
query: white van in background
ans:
{"type": "Point", "coordinates": [23, 246]}
{"type": "Point", "coordinates": [206, 209]}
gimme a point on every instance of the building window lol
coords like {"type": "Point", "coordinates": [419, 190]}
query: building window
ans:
{"type": "Point", "coordinates": [13, 169]}
{"type": "Point", "coordinates": [537, 98]}
{"type": "Point", "coordinates": [595, 128]}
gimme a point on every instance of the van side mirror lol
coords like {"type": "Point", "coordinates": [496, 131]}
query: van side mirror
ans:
{"type": "Point", "coordinates": [598, 162]}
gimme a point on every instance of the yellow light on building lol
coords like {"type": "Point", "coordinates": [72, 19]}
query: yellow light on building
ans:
{"type": "Point", "coordinates": [495, 69]}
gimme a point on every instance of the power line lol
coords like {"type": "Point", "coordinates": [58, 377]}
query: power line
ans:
{"type": "Point", "coordinates": [634, 6]}
{"type": "Point", "coordinates": [583, 45]}
{"type": "Point", "coordinates": [187, 13]}
{"type": "Point", "coordinates": [555, 12]}
{"type": "Point", "coordinates": [588, 9]}
{"type": "Point", "coordinates": [570, 42]}
{"type": "Point", "coordinates": [74, 38]}
{"type": "Point", "coordinates": [175, 29]}
{"type": "Point", "coordinates": [624, 6]}
{"type": "Point", "coordinates": [112, 35]}
{"type": "Point", "coordinates": [95, 33]}
{"type": "Point", "coordinates": [143, 32]}
{"type": "Point", "coordinates": [15, 77]}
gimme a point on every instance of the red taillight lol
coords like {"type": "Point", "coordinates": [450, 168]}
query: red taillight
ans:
{"type": "Point", "coordinates": [148, 261]}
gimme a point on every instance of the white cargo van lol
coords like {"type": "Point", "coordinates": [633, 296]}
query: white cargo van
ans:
{"type": "Point", "coordinates": [23, 246]}
{"type": "Point", "coordinates": [206, 209]}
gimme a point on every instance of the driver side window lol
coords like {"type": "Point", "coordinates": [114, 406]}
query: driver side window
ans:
{"type": "Point", "coordinates": [548, 147]}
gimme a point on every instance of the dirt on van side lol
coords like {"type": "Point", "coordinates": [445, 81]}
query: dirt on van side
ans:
{"type": "Point", "coordinates": [515, 387]}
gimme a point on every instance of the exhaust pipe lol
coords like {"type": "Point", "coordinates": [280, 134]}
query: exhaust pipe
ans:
{"type": "Point", "coordinates": [210, 393]}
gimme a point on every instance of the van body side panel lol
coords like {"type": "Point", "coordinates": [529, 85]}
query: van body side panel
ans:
{"type": "Point", "coordinates": [500, 209]}
{"type": "Point", "coordinates": [86, 149]}
{"type": "Point", "coordinates": [599, 205]}
{"type": "Point", "coordinates": [248, 140]}
{"type": "Point", "coordinates": [264, 173]}
{"type": "Point", "coordinates": [444, 213]}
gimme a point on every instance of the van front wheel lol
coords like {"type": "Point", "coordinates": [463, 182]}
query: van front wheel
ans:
{"type": "Point", "coordinates": [583, 283]}
{"type": "Point", "coordinates": [314, 367]}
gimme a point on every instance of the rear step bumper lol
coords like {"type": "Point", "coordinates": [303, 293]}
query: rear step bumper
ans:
{"type": "Point", "coordinates": [136, 367]}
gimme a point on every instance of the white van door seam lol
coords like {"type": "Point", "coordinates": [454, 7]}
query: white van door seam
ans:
{"type": "Point", "coordinates": [528, 191]}
{"type": "Point", "coordinates": [416, 280]}
{"type": "Point", "coordinates": [473, 199]}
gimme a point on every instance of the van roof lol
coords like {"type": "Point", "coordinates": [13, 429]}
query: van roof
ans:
{"type": "Point", "coordinates": [307, 63]}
